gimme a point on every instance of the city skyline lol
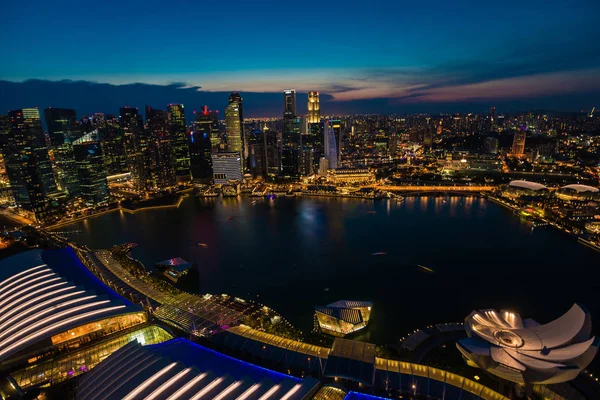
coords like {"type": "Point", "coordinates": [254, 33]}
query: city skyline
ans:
{"type": "Point", "coordinates": [387, 59]}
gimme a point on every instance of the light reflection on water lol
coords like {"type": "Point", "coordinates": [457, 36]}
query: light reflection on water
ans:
{"type": "Point", "coordinates": [292, 249]}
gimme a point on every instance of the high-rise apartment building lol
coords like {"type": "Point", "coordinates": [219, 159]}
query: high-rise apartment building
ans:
{"type": "Point", "coordinates": [314, 108]}
{"type": "Point", "coordinates": [179, 141]}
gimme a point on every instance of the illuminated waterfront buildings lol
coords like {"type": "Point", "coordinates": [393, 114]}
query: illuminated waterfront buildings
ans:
{"type": "Point", "coordinates": [343, 317]}
{"type": "Point", "coordinates": [179, 141]}
{"type": "Point", "coordinates": [525, 352]}
{"type": "Point", "coordinates": [314, 108]}
{"type": "Point", "coordinates": [63, 131]}
{"type": "Point", "coordinates": [226, 167]}
{"type": "Point", "coordinates": [234, 125]}
{"type": "Point", "coordinates": [135, 144]}
{"type": "Point", "coordinates": [331, 144]}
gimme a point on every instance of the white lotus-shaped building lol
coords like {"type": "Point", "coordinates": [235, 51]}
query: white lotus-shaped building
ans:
{"type": "Point", "coordinates": [526, 352]}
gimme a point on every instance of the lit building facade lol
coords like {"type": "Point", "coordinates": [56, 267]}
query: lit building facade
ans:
{"type": "Point", "coordinates": [63, 130]}
{"type": "Point", "coordinates": [159, 159]}
{"type": "Point", "coordinates": [91, 172]}
{"type": "Point", "coordinates": [27, 162]}
{"type": "Point", "coordinates": [201, 145]}
{"type": "Point", "coordinates": [518, 146]}
{"type": "Point", "coordinates": [234, 125]}
{"type": "Point", "coordinates": [179, 141]}
{"type": "Point", "coordinates": [135, 144]}
{"type": "Point", "coordinates": [347, 176]}
{"type": "Point", "coordinates": [58, 321]}
{"type": "Point", "coordinates": [226, 167]}
{"type": "Point", "coordinates": [343, 317]}
{"type": "Point", "coordinates": [525, 352]}
{"type": "Point", "coordinates": [289, 103]}
{"type": "Point", "coordinates": [314, 108]}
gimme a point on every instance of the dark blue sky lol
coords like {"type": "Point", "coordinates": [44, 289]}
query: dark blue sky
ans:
{"type": "Point", "coordinates": [387, 56]}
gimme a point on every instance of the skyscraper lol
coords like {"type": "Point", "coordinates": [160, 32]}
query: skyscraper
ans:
{"type": "Point", "coordinates": [227, 167]}
{"type": "Point", "coordinates": [314, 108]}
{"type": "Point", "coordinates": [208, 121]}
{"type": "Point", "coordinates": [289, 107]}
{"type": "Point", "coordinates": [518, 146]}
{"type": "Point", "coordinates": [201, 145]}
{"type": "Point", "coordinates": [291, 139]}
{"type": "Point", "coordinates": [90, 169]}
{"type": "Point", "coordinates": [234, 125]}
{"type": "Point", "coordinates": [159, 155]}
{"type": "Point", "coordinates": [330, 141]}
{"type": "Point", "coordinates": [27, 163]}
{"type": "Point", "coordinates": [179, 141]}
{"type": "Point", "coordinates": [134, 142]}
{"type": "Point", "coordinates": [63, 130]}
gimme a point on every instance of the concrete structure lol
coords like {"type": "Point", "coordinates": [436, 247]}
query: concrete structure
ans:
{"type": "Point", "coordinates": [525, 352]}
{"type": "Point", "coordinates": [343, 317]}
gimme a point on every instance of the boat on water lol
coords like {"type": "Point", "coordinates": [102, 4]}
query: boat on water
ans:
{"type": "Point", "coordinates": [290, 194]}
{"type": "Point", "coordinates": [379, 253]}
{"type": "Point", "coordinates": [425, 269]}
{"type": "Point", "coordinates": [371, 212]}
{"type": "Point", "coordinates": [327, 289]}
{"type": "Point", "coordinates": [203, 245]}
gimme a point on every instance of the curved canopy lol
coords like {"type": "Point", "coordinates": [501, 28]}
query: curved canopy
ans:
{"type": "Point", "coordinates": [581, 188]}
{"type": "Point", "coordinates": [527, 185]}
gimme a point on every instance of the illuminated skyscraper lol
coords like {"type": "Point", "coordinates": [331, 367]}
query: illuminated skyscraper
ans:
{"type": "Point", "coordinates": [90, 169]}
{"type": "Point", "coordinates": [234, 125]}
{"type": "Point", "coordinates": [289, 103]}
{"type": "Point", "coordinates": [179, 141]}
{"type": "Point", "coordinates": [63, 131]}
{"type": "Point", "coordinates": [201, 145]}
{"type": "Point", "coordinates": [314, 108]}
{"type": "Point", "coordinates": [159, 155]}
{"type": "Point", "coordinates": [518, 146]}
{"type": "Point", "coordinates": [135, 143]}
{"type": "Point", "coordinates": [331, 152]}
{"type": "Point", "coordinates": [27, 163]}
{"type": "Point", "coordinates": [208, 121]}
{"type": "Point", "coordinates": [226, 167]}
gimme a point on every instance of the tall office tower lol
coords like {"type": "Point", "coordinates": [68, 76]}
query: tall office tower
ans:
{"type": "Point", "coordinates": [493, 116]}
{"type": "Point", "coordinates": [336, 126]}
{"type": "Point", "coordinates": [330, 141]}
{"type": "Point", "coordinates": [289, 103]}
{"type": "Point", "coordinates": [234, 125]}
{"type": "Point", "coordinates": [323, 166]}
{"type": "Point", "coordinates": [227, 167]}
{"type": "Point", "coordinates": [518, 146]}
{"type": "Point", "coordinates": [208, 121]}
{"type": "Point", "coordinates": [90, 169]}
{"type": "Point", "coordinates": [490, 145]}
{"type": "Point", "coordinates": [314, 108]}
{"type": "Point", "coordinates": [159, 155]}
{"type": "Point", "coordinates": [27, 163]}
{"type": "Point", "coordinates": [272, 152]}
{"type": "Point", "coordinates": [257, 154]}
{"type": "Point", "coordinates": [179, 141]}
{"type": "Point", "coordinates": [112, 140]}
{"type": "Point", "coordinates": [63, 130]}
{"type": "Point", "coordinates": [200, 144]}
{"type": "Point", "coordinates": [135, 144]}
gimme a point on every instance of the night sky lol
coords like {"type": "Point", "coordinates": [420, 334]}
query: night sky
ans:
{"type": "Point", "coordinates": [371, 57]}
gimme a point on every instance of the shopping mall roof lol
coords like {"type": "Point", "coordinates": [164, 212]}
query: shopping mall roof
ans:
{"type": "Point", "coordinates": [527, 185]}
{"type": "Point", "coordinates": [351, 359]}
{"type": "Point", "coordinates": [581, 188]}
{"type": "Point", "coordinates": [43, 293]}
{"type": "Point", "coordinates": [182, 369]}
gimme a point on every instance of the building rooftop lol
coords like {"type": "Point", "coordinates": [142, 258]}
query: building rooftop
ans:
{"type": "Point", "coordinates": [527, 185]}
{"type": "Point", "coordinates": [44, 293]}
{"type": "Point", "coordinates": [581, 188]}
{"type": "Point", "coordinates": [182, 369]}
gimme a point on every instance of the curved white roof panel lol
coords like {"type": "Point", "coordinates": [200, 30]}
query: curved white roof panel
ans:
{"type": "Point", "coordinates": [43, 293]}
{"type": "Point", "coordinates": [543, 354]}
{"type": "Point", "coordinates": [581, 188]}
{"type": "Point", "coordinates": [527, 185]}
{"type": "Point", "coordinates": [180, 369]}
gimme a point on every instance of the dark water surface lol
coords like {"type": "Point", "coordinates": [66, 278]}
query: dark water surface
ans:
{"type": "Point", "coordinates": [286, 252]}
